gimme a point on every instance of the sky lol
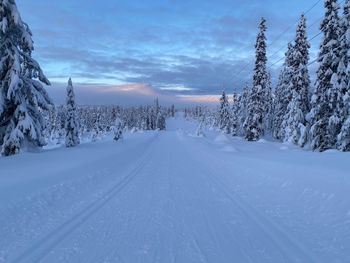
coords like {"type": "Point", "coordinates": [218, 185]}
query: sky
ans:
{"type": "Point", "coordinates": [182, 51]}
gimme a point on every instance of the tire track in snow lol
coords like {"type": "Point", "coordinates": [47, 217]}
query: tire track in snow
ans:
{"type": "Point", "coordinates": [288, 247]}
{"type": "Point", "coordinates": [279, 236]}
{"type": "Point", "coordinates": [45, 245]}
{"type": "Point", "coordinates": [187, 231]}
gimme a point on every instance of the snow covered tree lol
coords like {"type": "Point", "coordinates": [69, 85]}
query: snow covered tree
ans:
{"type": "Point", "coordinates": [200, 132]}
{"type": "Point", "coordinates": [21, 92]}
{"type": "Point", "coordinates": [224, 114]}
{"type": "Point", "coordinates": [268, 106]}
{"type": "Point", "coordinates": [72, 125]}
{"type": "Point", "coordinates": [242, 102]}
{"type": "Point", "coordinates": [160, 121]}
{"type": "Point", "coordinates": [282, 94]}
{"type": "Point", "coordinates": [172, 111]}
{"type": "Point", "coordinates": [258, 108]}
{"type": "Point", "coordinates": [294, 129]}
{"type": "Point", "coordinates": [344, 136]}
{"type": "Point", "coordinates": [294, 121]}
{"type": "Point", "coordinates": [235, 114]}
{"type": "Point", "coordinates": [343, 139]}
{"type": "Point", "coordinates": [326, 96]}
{"type": "Point", "coordinates": [118, 130]}
{"type": "Point", "coordinates": [157, 107]}
{"type": "Point", "coordinates": [96, 126]}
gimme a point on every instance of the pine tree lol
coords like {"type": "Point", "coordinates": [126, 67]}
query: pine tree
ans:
{"type": "Point", "coordinates": [71, 126]}
{"type": "Point", "coordinates": [268, 106]}
{"type": "Point", "coordinates": [294, 122]}
{"type": "Point", "coordinates": [243, 110]}
{"type": "Point", "coordinates": [283, 94]}
{"type": "Point", "coordinates": [235, 114]}
{"type": "Point", "coordinates": [21, 92]}
{"type": "Point", "coordinates": [258, 111]}
{"type": "Point", "coordinates": [157, 107]}
{"type": "Point", "coordinates": [224, 114]}
{"type": "Point", "coordinates": [172, 111]}
{"type": "Point", "coordinates": [343, 139]}
{"type": "Point", "coordinates": [96, 126]}
{"type": "Point", "coordinates": [118, 129]}
{"type": "Point", "coordinates": [200, 132]}
{"type": "Point", "coordinates": [160, 121]}
{"type": "Point", "coordinates": [325, 98]}
{"type": "Point", "coordinates": [344, 136]}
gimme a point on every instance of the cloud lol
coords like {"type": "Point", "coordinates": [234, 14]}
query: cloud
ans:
{"type": "Point", "coordinates": [125, 95]}
{"type": "Point", "coordinates": [98, 94]}
{"type": "Point", "coordinates": [177, 47]}
{"type": "Point", "coordinates": [131, 89]}
{"type": "Point", "coordinates": [200, 99]}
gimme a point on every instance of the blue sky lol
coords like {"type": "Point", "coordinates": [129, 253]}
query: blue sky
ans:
{"type": "Point", "coordinates": [181, 50]}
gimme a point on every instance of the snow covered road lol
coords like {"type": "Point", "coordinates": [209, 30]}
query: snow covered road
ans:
{"type": "Point", "coordinates": [172, 197]}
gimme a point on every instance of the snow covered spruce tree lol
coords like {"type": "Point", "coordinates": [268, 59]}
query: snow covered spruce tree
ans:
{"type": "Point", "coordinates": [200, 132]}
{"type": "Point", "coordinates": [344, 136]}
{"type": "Point", "coordinates": [268, 105]}
{"type": "Point", "coordinates": [21, 91]}
{"type": "Point", "coordinates": [236, 98]}
{"type": "Point", "coordinates": [282, 94]}
{"type": "Point", "coordinates": [118, 130]}
{"type": "Point", "coordinates": [224, 114]}
{"type": "Point", "coordinates": [294, 122]}
{"type": "Point", "coordinates": [242, 102]}
{"type": "Point", "coordinates": [343, 139]}
{"type": "Point", "coordinates": [260, 97]}
{"type": "Point", "coordinates": [160, 121]}
{"type": "Point", "coordinates": [326, 96]}
{"type": "Point", "coordinates": [71, 125]}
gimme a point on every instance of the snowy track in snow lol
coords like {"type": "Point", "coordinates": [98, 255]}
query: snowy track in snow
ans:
{"type": "Point", "coordinates": [171, 197]}
{"type": "Point", "coordinates": [41, 248]}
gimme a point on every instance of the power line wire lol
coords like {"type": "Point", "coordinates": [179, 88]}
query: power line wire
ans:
{"type": "Point", "coordinates": [280, 59]}
{"type": "Point", "coordinates": [312, 38]}
{"type": "Point", "coordinates": [312, 7]}
{"type": "Point", "coordinates": [247, 64]}
{"type": "Point", "coordinates": [285, 46]}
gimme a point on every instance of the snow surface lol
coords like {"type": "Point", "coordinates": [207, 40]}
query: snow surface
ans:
{"type": "Point", "coordinates": [173, 197]}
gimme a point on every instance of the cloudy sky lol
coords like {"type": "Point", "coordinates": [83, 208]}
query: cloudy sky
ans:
{"type": "Point", "coordinates": [130, 51]}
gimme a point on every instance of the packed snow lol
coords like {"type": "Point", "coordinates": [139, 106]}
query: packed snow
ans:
{"type": "Point", "coordinates": [172, 196]}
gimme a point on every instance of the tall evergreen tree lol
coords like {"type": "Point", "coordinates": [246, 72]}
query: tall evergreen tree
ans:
{"type": "Point", "coordinates": [21, 91]}
{"type": "Point", "coordinates": [161, 121]}
{"type": "Point", "coordinates": [71, 126]}
{"type": "Point", "coordinates": [268, 106]}
{"type": "Point", "coordinates": [258, 111]}
{"type": "Point", "coordinates": [283, 94]}
{"type": "Point", "coordinates": [243, 100]}
{"type": "Point", "coordinates": [294, 122]}
{"type": "Point", "coordinates": [118, 129]}
{"type": "Point", "coordinates": [224, 114]}
{"type": "Point", "coordinates": [344, 136]}
{"type": "Point", "coordinates": [235, 114]}
{"type": "Point", "coordinates": [343, 139]}
{"type": "Point", "coordinates": [172, 111]}
{"type": "Point", "coordinates": [325, 98]}
{"type": "Point", "coordinates": [200, 132]}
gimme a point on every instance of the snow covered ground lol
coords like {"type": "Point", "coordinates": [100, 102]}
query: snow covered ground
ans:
{"type": "Point", "coordinates": [173, 197]}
